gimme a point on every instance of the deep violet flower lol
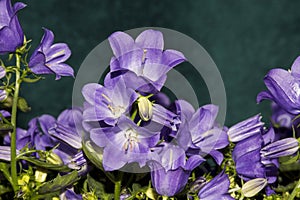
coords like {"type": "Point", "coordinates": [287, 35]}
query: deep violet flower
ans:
{"type": "Point", "coordinates": [143, 60]}
{"type": "Point", "coordinates": [11, 33]}
{"type": "Point", "coordinates": [49, 58]}
{"type": "Point", "coordinates": [283, 88]}
{"type": "Point", "coordinates": [245, 129]}
{"type": "Point", "coordinates": [171, 182]}
{"type": "Point", "coordinates": [217, 188]}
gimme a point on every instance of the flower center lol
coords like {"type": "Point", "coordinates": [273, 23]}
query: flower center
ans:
{"type": "Point", "coordinates": [131, 139]}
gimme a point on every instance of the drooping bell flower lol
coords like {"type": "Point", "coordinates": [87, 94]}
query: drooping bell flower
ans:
{"type": "Point", "coordinates": [245, 129]}
{"type": "Point", "coordinates": [170, 182]}
{"type": "Point", "coordinates": [207, 136]}
{"type": "Point", "coordinates": [283, 88]}
{"type": "Point", "coordinates": [217, 188]}
{"type": "Point", "coordinates": [107, 104]}
{"type": "Point", "coordinates": [11, 33]}
{"type": "Point", "coordinates": [144, 60]}
{"type": "Point", "coordinates": [49, 58]}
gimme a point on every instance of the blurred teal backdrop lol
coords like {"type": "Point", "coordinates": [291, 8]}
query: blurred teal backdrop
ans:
{"type": "Point", "coordinates": [244, 38]}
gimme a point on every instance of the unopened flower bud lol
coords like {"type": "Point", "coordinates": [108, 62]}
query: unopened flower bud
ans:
{"type": "Point", "coordinates": [145, 108]}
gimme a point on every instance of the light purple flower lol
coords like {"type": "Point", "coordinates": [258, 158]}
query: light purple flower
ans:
{"type": "Point", "coordinates": [3, 95]}
{"type": "Point", "coordinates": [217, 188]}
{"type": "Point", "coordinates": [280, 148]}
{"type": "Point", "coordinates": [124, 143]}
{"type": "Point", "coordinates": [144, 59]}
{"type": "Point", "coordinates": [69, 194]}
{"type": "Point", "coordinates": [49, 58]}
{"type": "Point", "coordinates": [11, 33]}
{"type": "Point", "coordinates": [107, 104]}
{"type": "Point", "coordinates": [283, 88]}
{"type": "Point", "coordinates": [245, 129]}
{"type": "Point", "coordinates": [282, 118]}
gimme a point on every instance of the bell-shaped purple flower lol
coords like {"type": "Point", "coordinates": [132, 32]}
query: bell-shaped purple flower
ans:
{"type": "Point", "coordinates": [245, 129]}
{"type": "Point", "coordinates": [282, 118]}
{"type": "Point", "coordinates": [283, 88]}
{"type": "Point", "coordinates": [170, 182]}
{"type": "Point", "coordinates": [144, 60]}
{"type": "Point", "coordinates": [217, 188]}
{"type": "Point", "coordinates": [49, 58]}
{"type": "Point", "coordinates": [11, 33]}
{"type": "Point", "coordinates": [124, 143]}
{"type": "Point", "coordinates": [207, 137]}
{"type": "Point", "coordinates": [107, 104]}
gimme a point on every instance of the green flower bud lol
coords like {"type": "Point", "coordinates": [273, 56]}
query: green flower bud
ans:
{"type": "Point", "coordinates": [254, 186]}
{"type": "Point", "coordinates": [145, 108]}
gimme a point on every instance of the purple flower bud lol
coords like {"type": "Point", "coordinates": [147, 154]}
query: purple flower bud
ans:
{"type": "Point", "coordinates": [49, 58]}
{"type": "Point", "coordinates": [11, 33]}
{"type": "Point", "coordinates": [245, 129]}
{"type": "Point", "coordinates": [2, 72]}
{"type": "Point", "coordinates": [5, 153]}
{"type": "Point", "coordinates": [280, 148]}
{"type": "Point", "coordinates": [3, 95]}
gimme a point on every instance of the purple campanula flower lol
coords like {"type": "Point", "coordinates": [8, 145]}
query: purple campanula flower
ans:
{"type": "Point", "coordinates": [68, 129]}
{"type": "Point", "coordinates": [107, 104]}
{"type": "Point", "coordinates": [245, 129]}
{"type": "Point", "coordinates": [171, 182]}
{"type": "Point", "coordinates": [217, 188]}
{"type": "Point", "coordinates": [281, 118]}
{"type": "Point", "coordinates": [283, 88]}
{"type": "Point", "coordinates": [144, 60]}
{"type": "Point", "coordinates": [37, 134]}
{"type": "Point", "coordinates": [49, 58]}
{"type": "Point", "coordinates": [207, 137]}
{"type": "Point", "coordinates": [124, 143]}
{"type": "Point", "coordinates": [11, 33]}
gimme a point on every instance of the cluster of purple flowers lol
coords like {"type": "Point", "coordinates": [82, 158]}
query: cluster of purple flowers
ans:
{"type": "Point", "coordinates": [136, 128]}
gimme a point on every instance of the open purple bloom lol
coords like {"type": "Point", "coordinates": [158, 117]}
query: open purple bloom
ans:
{"type": "Point", "coordinates": [107, 104]}
{"type": "Point", "coordinates": [283, 88]}
{"type": "Point", "coordinates": [49, 58]}
{"type": "Point", "coordinates": [217, 188]}
{"type": "Point", "coordinates": [171, 182]}
{"type": "Point", "coordinates": [11, 33]}
{"type": "Point", "coordinates": [144, 59]}
{"type": "Point", "coordinates": [282, 118]}
{"type": "Point", "coordinates": [245, 129]}
{"type": "Point", "coordinates": [124, 143]}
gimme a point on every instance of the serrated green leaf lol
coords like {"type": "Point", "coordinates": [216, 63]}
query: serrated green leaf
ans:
{"type": "Point", "coordinates": [61, 168]}
{"type": "Point", "coordinates": [59, 183]}
{"type": "Point", "coordinates": [95, 186]}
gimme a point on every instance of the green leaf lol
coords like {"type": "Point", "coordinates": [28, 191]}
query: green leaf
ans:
{"type": "Point", "coordinates": [59, 183]}
{"type": "Point", "coordinates": [61, 168]}
{"type": "Point", "coordinates": [96, 186]}
{"type": "Point", "coordinates": [4, 168]}
{"type": "Point", "coordinates": [22, 105]}
{"type": "Point", "coordinates": [289, 159]}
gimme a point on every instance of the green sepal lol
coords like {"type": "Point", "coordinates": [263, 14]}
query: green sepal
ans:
{"type": "Point", "coordinates": [59, 183]}
{"type": "Point", "coordinates": [287, 160]}
{"type": "Point", "coordinates": [22, 105]}
{"type": "Point", "coordinates": [31, 80]}
{"type": "Point", "coordinates": [39, 163]}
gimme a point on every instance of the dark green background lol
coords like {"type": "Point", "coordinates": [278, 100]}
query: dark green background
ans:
{"type": "Point", "coordinates": [244, 38]}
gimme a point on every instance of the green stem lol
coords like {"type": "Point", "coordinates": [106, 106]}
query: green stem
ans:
{"type": "Point", "coordinates": [13, 123]}
{"type": "Point", "coordinates": [118, 183]}
{"type": "Point", "coordinates": [295, 191]}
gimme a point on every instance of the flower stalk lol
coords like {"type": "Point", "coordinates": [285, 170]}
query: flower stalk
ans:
{"type": "Point", "coordinates": [13, 123]}
{"type": "Point", "coordinates": [295, 191]}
